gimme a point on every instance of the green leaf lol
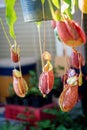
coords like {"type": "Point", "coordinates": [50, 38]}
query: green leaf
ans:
{"type": "Point", "coordinates": [68, 13]}
{"type": "Point", "coordinates": [21, 116]}
{"type": "Point", "coordinates": [46, 122]}
{"type": "Point", "coordinates": [72, 5]}
{"type": "Point", "coordinates": [42, 1]}
{"type": "Point", "coordinates": [61, 127]}
{"type": "Point", "coordinates": [11, 16]}
{"type": "Point", "coordinates": [50, 111]}
{"type": "Point", "coordinates": [76, 3]}
{"type": "Point", "coordinates": [67, 1]}
{"type": "Point", "coordinates": [56, 15]}
{"type": "Point", "coordinates": [56, 3]}
{"type": "Point", "coordinates": [68, 8]}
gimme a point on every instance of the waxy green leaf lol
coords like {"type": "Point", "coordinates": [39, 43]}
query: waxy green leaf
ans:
{"type": "Point", "coordinates": [56, 3]}
{"type": "Point", "coordinates": [11, 16]}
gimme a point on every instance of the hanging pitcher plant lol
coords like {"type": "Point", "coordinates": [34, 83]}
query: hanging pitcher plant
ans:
{"type": "Point", "coordinates": [19, 84]}
{"type": "Point", "coordinates": [11, 18]}
{"type": "Point", "coordinates": [69, 96]}
{"type": "Point", "coordinates": [67, 7]}
{"type": "Point", "coordinates": [70, 33]}
{"type": "Point", "coordinates": [46, 80]}
{"type": "Point", "coordinates": [15, 53]}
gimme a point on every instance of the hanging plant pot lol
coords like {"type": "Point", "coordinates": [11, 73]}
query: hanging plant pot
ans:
{"type": "Point", "coordinates": [33, 10]}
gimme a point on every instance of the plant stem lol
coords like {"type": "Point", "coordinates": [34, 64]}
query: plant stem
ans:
{"type": "Point", "coordinates": [40, 45]}
{"type": "Point", "coordinates": [5, 33]}
{"type": "Point", "coordinates": [20, 67]}
{"type": "Point", "coordinates": [16, 49]}
{"type": "Point", "coordinates": [52, 10]}
{"type": "Point", "coordinates": [44, 42]}
{"type": "Point", "coordinates": [15, 45]}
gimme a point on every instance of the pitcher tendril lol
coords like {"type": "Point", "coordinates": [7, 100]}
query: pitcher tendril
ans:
{"type": "Point", "coordinates": [5, 32]}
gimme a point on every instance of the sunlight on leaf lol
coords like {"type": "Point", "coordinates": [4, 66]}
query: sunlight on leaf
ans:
{"type": "Point", "coordinates": [11, 16]}
{"type": "Point", "coordinates": [68, 8]}
{"type": "Point", "coordinates": [64, 6]}
{"type": "Point", "coordinates": [68, 13]}
{"type": "Point", "coordinates": [56, 3]}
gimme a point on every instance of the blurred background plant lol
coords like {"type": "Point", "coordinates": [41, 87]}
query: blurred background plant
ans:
{"type": "Point", "coordinates": [58, 120]}
{"type": "Point", "coordinates": [62, 121]}
{"type": "Point", "coordinates": [11, 90]}
{"type": "Point", "coordinates": [34, 95]}
{"type": "Point", "coordinates": [9, 125]}
{"type": "Point", "coordinates": [33, 83]}
{"type": "Point", "coordinates": [58, 85]}
{"type": "Point", "coordinates": [12, 98]}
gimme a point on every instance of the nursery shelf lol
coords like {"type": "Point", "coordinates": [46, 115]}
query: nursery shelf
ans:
{"type": "Point", "coordinates": [32, 114]}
